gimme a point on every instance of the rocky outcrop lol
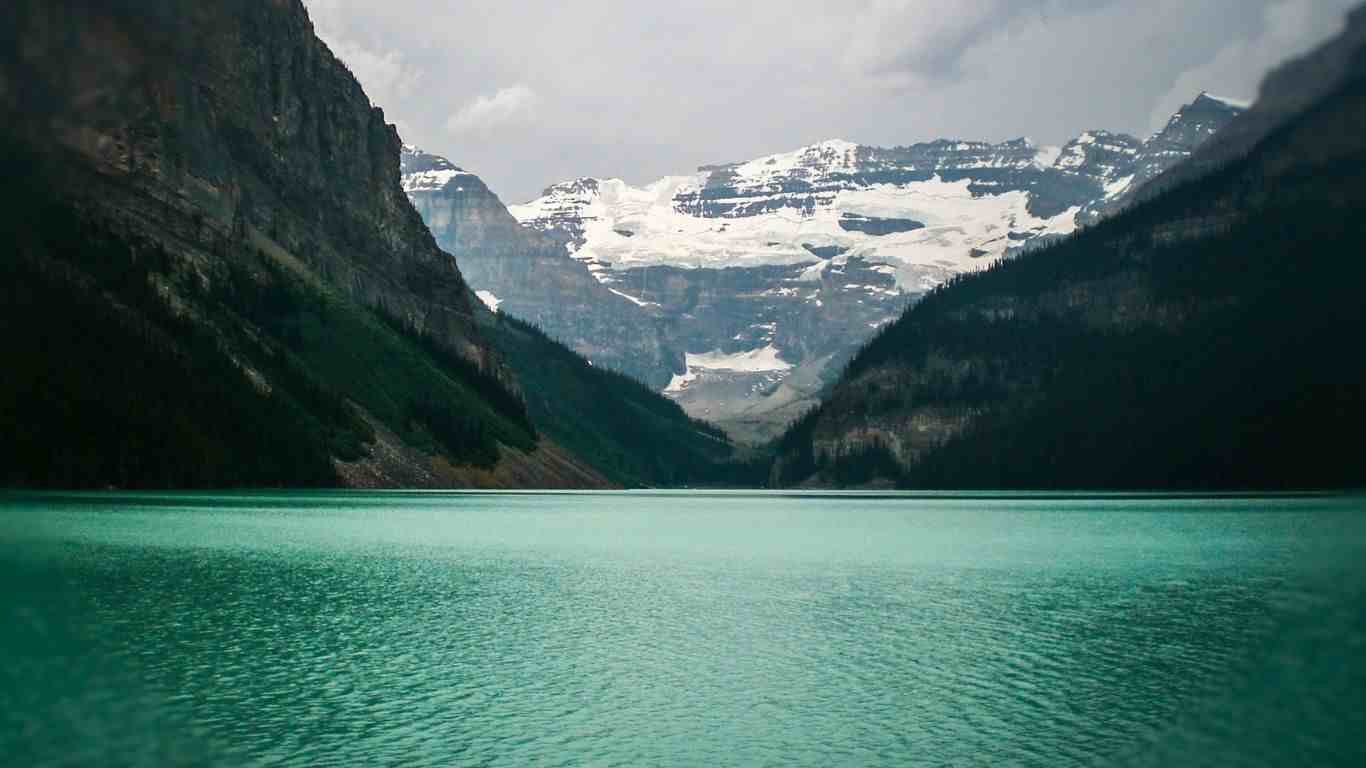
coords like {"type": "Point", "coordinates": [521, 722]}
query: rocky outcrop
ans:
{"type": "Point", "coordinates": [237, 167]}
{"type": "Point", "coordinates": [532, 277]}
{"type": "Point", "coordinates": [1188, 130]}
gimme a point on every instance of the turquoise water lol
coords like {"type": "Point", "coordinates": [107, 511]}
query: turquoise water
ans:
{"type": "Point", "coordinates": [681, 629]}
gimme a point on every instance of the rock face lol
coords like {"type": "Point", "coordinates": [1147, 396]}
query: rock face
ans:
{"type": "Point", "coordinates": [235, 117]}
{"type": "Point", "coordinates": [808, 253]}
{"type": "Point", "coordinates": [251, 193]}
{"type": "Point", "coordinates": [1186, 132]}
{"type": "Point", "coordinates": [530, 276]}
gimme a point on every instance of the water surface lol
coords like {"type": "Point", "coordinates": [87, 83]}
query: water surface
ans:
{"type": "Point", "coordinates": [681, 629]}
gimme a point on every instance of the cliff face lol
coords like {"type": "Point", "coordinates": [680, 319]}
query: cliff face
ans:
{"type": "Point", "coordinates": [211, 211]}
{"type": "Point", "coordinates": [205, 124]}
{"type": "Point", "coordinates": [225, 283]}
{"type": "Point", "coordinates": [532, 277]}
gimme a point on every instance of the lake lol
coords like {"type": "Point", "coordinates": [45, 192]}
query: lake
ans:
{"type": "Point", "coordinates": [706, 629]}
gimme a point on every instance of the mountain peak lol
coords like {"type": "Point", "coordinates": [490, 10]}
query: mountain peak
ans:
{"type": "Point", "coordinates": [1240, 105]}
{"type": "Point", "coordinates": [584, 185]}
{"type": "Point", "coordinates": [424, 172]}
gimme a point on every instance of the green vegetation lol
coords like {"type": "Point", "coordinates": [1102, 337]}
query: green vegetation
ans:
{"type": "Point", "coordinates": [627, 431]}
{"type": "Point", "coordinates": [1201, 340]}
{"type": "Point", "coordinates": [127, 366]}
{"type": "Point", "coordinates": [106, 386]}
{"type": "Point", "coordinates": [433, 399]}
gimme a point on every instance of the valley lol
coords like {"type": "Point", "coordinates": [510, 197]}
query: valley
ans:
{"type": "Point", "coordinates": [798, 257]}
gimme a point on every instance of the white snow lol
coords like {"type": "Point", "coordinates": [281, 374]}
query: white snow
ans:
{"type": "Point", "coordinates": [629, 297]}
{"type": "Point", "coordinates": [1047, 156]}
{"type": "Point", "coordinates": [1118, 186]}
{"type": "Point", "coordinates": [429, 181]}
{"type": "Point", "coordinates": [755, 360]}
{"type": "Point", "coordinates": [833, 155]}
{"type": "Point", "coordinates": [489, 299]}
{"type": "Point", "coordinates": [760, 360]}
{"type": "Point", "coordinates": [1235, 103]}
{"type": "Point", "coordinates": [956, 224]}
{"type": "Point", "coordinates": [680, 381]}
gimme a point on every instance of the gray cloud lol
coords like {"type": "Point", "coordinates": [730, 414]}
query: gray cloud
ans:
{"type": "Point", "coordinates": [514, 104]}
{"type": "Point", "coordinates": [528, 93]}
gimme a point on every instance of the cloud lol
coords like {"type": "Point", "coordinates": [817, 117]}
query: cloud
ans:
{"type": "Point", "coordinates": [929, 39]}
{"type": "Point", "coordinates": [387, 79]}
{"type": "Point", "coordinates": [511, 105]}
{"type": "Point", "coordinates": [901, 37]}
{"type": "Point", "coordinates": [531, 92]}
{"type": "Point", "coordinates": [385, 74]}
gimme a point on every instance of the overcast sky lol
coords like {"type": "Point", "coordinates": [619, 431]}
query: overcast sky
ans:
{"type": "Point", "coordinates": [533, 92]}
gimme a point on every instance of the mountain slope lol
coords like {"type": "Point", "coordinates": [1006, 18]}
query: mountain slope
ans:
{"type": "Point", "coordinates": [1288, 90]}
{"type": "Point", "coordinates": [1205, 338]}
{"type": "Point", "coordinates": [530, 277]}
{"type": "Point", "coordinates": [800, 257]}
{"type": "Point", "coordinates": [215, 278]}
{"type": "Point", "coordinates": [627, 431]}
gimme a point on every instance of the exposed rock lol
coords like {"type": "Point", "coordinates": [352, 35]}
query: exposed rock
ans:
{"type": "Point", "coordinates": [532, 277]}
{"type": "Point", "coordinates": [227, 123]}
{"type": "Point", "coordinates": [228, 134]}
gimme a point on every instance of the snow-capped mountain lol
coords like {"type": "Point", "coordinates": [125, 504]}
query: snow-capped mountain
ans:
{"type": "Point", "coordinates": [518, 271]}
{"type": "Point", "coordinates": [925, 212]}
{"type": "Point", "coordinates": [758, 279]}
{"type": "Point", "coordinates": [1187, 130]}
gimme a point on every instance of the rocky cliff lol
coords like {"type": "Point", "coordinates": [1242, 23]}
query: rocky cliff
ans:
{"type": "Point", "coordinates": [531, 277]}
{"type": "Point", "coordinates": [204, 123]}
{"type": "Point", "coordinates": [210, 196]}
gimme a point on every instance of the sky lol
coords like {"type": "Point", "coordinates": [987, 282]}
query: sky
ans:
{"type": "Point", "coordinates": [526, 93]}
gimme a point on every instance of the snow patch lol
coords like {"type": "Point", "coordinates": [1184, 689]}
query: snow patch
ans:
{"type": "Point", "coordinates": [755, 360]}
{"type": "Point", "coordinates": [1118, 187]}
{"type": "Point", "coordinates": [489, 299]}
{"type": "Point", "coordinates": [1047, 156]}
{"type": "Point", "coordinates": [628, 296]}
{"type": "Point", "coordinates": [1229, 102]}
{"type": "Point", "coordinates": [957, 223]}
{"type": "Point", "coordinates": [680, 381]}
{"type": "Point", "coordinates": [430, 181]}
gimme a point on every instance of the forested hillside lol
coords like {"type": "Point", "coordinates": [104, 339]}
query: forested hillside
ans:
{"type": "Point", "coordinates": [212, 277]}
{"type": "Point", "coordinates": [1204, 339]}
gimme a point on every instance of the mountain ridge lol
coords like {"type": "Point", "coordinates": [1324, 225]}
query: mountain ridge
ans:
{"type": "Point", "coordinates": [805, 252]}
{"type": "Point", "coordinates": [205, 205]}
{"type": "Point", "coordinates": [1184, 342]}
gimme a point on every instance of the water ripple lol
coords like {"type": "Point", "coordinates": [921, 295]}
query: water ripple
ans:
{"type": "Point", "coordinates": [581, 630]}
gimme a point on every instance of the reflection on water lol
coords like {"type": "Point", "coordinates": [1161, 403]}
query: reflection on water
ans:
{"type": "Point", "coordinates": [681, 629]}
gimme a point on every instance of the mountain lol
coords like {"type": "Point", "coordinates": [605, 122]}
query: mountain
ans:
{"type": "Point", "coordinates": [1202, 338]}
{"type": "Point", "coordinates": [214, 277]}
{"type": "Point", "coordinates": [1286, 92]}
{"type": "Point", "coordinates": [530, 277]}
{"type": "Point", "coordinates": [763, 277]}
{"type": "Point", "coordinates": [1183, 136]}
